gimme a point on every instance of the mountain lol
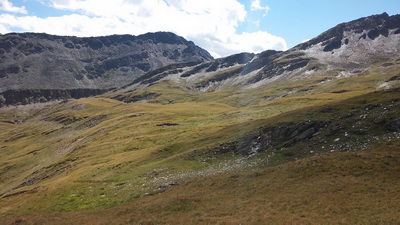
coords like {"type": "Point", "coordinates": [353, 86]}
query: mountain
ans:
{"type": "Point", "coordinates": [310, 135]}
{"type": "Point", "coordinates": [40, 61]}
{"type": "Point", "coordinates": [349, 49]}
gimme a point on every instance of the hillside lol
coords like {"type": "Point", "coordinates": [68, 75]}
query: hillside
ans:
{"type": "Point", "coordinates": [306, 136]}
{"type": "Point", "coordinates": [337, 188]}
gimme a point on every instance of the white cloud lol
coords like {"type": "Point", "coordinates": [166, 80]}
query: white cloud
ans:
{"type": "Point", "coordinates": [246, 42]}
{"type": "Point", "coordinates": [3, 30]}
{"type": "Point", "coordinates": [7, 6]}
{"type": "Point", "coordinates": [78, 25]}
{"type": "Point", "coordinates": [256, 5]}
{"type": "Point", "coordinates": [211, 24]}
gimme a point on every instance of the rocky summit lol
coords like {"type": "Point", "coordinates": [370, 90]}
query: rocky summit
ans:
{"type": "Point", "coordinates": [42, 61]}
{"type": "Point", "coordinates": [310, 135]}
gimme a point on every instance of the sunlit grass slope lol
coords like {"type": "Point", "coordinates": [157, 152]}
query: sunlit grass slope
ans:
{"type": "Point", "coordinates": [187, 157]}
{"type": "Point", "coordinates": [334, 188]}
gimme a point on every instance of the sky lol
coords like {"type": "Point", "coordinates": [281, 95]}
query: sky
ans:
{"type": "Point", "coordinates": [222, 27]}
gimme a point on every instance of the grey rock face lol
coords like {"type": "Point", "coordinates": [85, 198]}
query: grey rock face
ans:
{"type": "Point", "coordinates": [374, 26]}
{"type": "Point", "coordinates": [394, 125]}
{"type": "Point", "coordinates": [28, 96]}
{"type": "Point", "coordinates": [357, 44]}
{"type": "Point", "coordinates": [42, 61]}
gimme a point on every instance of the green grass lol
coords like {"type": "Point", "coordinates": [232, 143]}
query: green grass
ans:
{"type": "Point", "coordinates": [334, 188]}
{"type": "Point", "coordinates": [101, 155]}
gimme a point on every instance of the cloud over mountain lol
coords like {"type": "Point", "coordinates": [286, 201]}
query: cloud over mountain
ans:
{"type": "Point", "coordinates": [212, 24]}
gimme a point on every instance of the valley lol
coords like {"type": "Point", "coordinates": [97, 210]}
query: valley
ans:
{"type": "Point", "coordinates": [306, 136]}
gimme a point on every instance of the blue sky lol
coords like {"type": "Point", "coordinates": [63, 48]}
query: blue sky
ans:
{"type": "Point", "coordinates": [222, 27]}
{"type": "Point", "coordinates": [299, 20]}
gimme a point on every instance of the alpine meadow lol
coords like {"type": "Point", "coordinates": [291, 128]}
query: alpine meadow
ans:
{"type": "Point", "coordinates": [151, 129]}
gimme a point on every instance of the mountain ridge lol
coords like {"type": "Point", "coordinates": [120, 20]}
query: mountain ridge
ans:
{"type": "Point", "coordinates": [334, 50]}
{"type": "Point", "coordinates": [378, 24]}
{"type": "Point", "coordinates": [353, 47]}
{"type": "Point", "coordinates": [42, 61]}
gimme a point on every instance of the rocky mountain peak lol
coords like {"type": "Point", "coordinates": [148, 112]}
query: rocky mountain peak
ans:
{"type": "Point", "coordinates": [43, 61]}
{"type": "Point", "coordinates": [371, 27]}
{"type": "Point", "coordinates": [164, 37]}
{"type": "Point", "coordinates": [357, 44]}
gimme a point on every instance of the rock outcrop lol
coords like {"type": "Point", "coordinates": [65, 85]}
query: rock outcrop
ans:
{"type": "Point", "coordinates": [29, 96]}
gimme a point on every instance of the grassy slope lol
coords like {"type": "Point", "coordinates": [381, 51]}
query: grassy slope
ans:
{"type": "Point", "coordinates": [334, 188]}
{"type": "Point", "coordinates": [98, 153]}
